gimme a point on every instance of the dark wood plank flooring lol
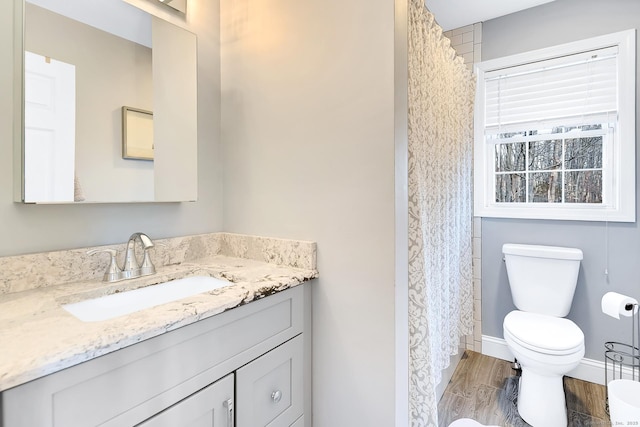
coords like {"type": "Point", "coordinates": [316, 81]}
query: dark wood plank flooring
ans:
{"type": "Point", "coordinates": [484, 388]}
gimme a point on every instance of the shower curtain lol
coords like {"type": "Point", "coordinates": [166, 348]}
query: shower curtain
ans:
{"type": "Point", "coordinates": [441, 93]}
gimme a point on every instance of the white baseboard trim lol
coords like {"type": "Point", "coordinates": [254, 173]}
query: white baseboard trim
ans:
{"type": "Point", "coordinates": [588, 369]}
{"type": "Point", "coordinates": [496, 347]}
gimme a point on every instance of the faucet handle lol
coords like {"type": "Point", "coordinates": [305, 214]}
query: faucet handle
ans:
{"type": "Point", "coordinates": [147, 267]}
{"type": "Point", "coordinates": [113, 273]}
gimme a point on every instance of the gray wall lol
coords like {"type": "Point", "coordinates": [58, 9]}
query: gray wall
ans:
{"type": "Point", "coordinates": [308, 135]}
{"type": "Point", "coordinates": [36, 228]}
{"type": "Point", "coordinates": [554, 23]}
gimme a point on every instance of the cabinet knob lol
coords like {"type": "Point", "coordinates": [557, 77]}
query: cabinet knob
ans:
{"type": "Point", "coordinates": [276, 396]}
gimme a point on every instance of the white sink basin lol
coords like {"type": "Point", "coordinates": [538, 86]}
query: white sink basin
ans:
{"type": "Point", "coordinates": [114, 305]}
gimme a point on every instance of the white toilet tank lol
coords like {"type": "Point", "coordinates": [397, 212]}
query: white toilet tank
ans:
{"type": "Point", "coordinates": [542, 278]}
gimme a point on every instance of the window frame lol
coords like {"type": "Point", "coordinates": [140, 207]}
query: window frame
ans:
{"type": "Point", "coordinates": [620, 204]}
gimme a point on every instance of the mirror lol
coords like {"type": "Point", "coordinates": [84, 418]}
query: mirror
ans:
{"type": "Point", "coordinates": [110, 105]}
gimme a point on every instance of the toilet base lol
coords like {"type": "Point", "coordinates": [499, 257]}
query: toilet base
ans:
{"type": "Point", "coordinates": [541, 400]}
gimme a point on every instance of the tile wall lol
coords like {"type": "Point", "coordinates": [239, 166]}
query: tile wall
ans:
{"type": "Point", "coordinates": [467, 41]}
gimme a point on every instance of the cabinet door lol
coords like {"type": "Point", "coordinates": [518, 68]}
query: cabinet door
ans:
{"type": "Point", "coordinates": [298, 423]}
{"type": "Point", "coordinates": [210, 407]}
{"type": "Point", "coordinates": [270, 389]}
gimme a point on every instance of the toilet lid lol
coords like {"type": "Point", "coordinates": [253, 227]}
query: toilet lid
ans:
{"type": "Point", "coordinates": [542, 333]}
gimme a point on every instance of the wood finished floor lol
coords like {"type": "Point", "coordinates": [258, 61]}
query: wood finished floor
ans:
{"type": "Point", "coordinates": [484, 388]}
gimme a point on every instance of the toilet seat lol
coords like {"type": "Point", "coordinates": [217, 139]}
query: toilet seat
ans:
{"type": "Point", "coordinates": [544, 334]}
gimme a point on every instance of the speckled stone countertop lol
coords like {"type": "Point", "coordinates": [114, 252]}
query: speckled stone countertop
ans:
{"type": "Point", "coordinates": [38, 337]}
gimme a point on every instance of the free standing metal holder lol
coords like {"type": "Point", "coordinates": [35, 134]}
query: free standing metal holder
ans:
{"type": "Point", "coordinates": [620, 358]}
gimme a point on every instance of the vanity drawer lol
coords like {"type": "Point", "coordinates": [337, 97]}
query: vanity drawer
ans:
{"type": "Point", "coordinates": [269, 390]}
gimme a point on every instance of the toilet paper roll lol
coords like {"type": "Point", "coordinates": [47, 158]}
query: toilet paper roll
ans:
{"type": "Point", "coordinates": [613, 304]}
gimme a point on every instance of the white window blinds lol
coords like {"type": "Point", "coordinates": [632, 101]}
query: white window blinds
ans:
{"type": "Point", "coordinates": [575, 89]}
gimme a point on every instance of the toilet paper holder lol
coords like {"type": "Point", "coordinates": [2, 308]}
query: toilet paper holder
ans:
{"type": "Point", "coordinates": [622, 360]}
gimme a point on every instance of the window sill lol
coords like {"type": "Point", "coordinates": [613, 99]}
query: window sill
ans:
{"type": "Point", "coordinates": [555, 212]}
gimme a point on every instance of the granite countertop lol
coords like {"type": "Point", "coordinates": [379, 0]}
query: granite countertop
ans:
{"type": "Point", "coordinates": [38, 337]}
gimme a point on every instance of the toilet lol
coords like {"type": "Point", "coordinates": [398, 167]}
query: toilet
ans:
{"type": "Point", "coordinates": [546, 345]}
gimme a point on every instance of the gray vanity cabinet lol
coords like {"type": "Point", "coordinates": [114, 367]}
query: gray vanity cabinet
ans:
{"type": "Point", "coordinates": [264, 344]}
{"type": "Point", "coordinates": [270, 390]}
{"type": "Point", "coordinates": [268, 393]}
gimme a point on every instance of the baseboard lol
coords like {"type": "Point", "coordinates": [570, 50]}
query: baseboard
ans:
{"type": "Point", "coordinates": [588, 369]}
{"type": "Point", "coordinates": [496, 347]}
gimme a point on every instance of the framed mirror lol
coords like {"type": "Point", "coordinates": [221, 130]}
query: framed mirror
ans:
{"type": "Point", "coordinates": [92, 73]}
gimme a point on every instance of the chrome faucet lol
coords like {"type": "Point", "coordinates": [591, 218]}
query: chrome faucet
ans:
{"type": "Point", "coordinates": [131, 269]}
{"type": "Point", "coordinates": [113, 273]}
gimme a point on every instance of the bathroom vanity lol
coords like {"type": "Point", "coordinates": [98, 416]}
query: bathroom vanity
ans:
{"type": "Point", "coordinates": [236, 356]}
{"type": "Point", "coordinates": [249, 362]}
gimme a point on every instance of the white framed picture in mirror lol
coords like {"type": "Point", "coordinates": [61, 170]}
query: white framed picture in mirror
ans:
{"type": "Point", "coordinates": [137, 134]}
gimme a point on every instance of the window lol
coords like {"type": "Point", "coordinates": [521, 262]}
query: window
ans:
{"type": "Point", "coordinates": [555, 132]}
{"type": "Point", "coordinates": [558, 165]}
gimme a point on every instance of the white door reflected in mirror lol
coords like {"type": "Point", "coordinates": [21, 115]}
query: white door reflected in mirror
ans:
{"type": "Point", "coordinates": [49, 129]}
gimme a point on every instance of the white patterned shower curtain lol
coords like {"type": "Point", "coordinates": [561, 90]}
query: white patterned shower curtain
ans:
{"type": "Point", "coordinates": [441, 94]}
